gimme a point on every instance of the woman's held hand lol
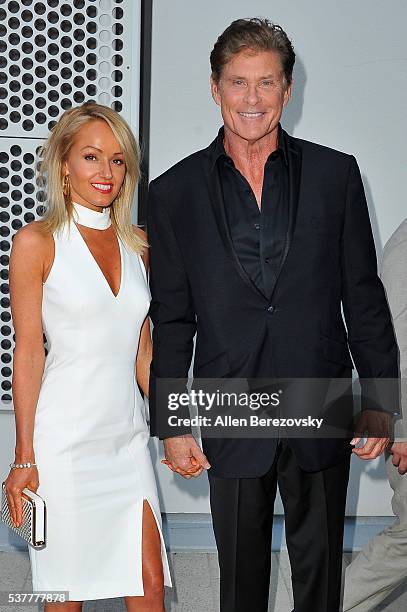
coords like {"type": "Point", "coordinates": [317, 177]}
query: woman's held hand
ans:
{"type": "Point", "coordinates": [17, 480]}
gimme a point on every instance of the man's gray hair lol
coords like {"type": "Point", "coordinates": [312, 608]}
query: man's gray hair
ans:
{"type": "Point", "coordinates": [256, 34]}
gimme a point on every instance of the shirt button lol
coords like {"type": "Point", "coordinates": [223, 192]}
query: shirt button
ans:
{"type": "Point", "coordinates": [270, 309]}
{"type": "Point", "coordinates": [257, 226]}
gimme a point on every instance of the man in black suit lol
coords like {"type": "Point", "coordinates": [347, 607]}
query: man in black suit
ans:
{"type": "Point", "coordinates": [256, 241]}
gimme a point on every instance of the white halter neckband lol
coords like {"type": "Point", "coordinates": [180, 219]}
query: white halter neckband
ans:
{"type": "Point", "coordinates": [91, 218]}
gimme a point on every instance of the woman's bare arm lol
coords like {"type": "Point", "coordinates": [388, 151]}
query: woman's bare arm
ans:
{"type": "Point", "coordinates": [29, 263]}
{"type": "Point", "coordinates": [144, 356]}
{"type": "Point", "coordinates": [145, 351]}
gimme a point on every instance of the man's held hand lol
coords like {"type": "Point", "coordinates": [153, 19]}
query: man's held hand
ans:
{"type": "Point", "coordinates": [376, 422]}
{"type": "Point", "coordinates": [184, 456]}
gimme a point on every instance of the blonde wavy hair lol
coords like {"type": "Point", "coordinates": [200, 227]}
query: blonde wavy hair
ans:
{"type": "Point", "coordinates": [50, 171]}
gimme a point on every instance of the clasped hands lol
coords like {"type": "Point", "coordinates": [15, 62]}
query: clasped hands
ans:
{"type": "Point", "coordinates": [378, 423]}
{"type": "Point", "coordinates": [375, 425]}
{"type": "Point", "coordinates": [184, 456]}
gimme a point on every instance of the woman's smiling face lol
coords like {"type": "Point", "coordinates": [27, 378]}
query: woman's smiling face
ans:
{"type": "Point", "coordinates": [95, 165]}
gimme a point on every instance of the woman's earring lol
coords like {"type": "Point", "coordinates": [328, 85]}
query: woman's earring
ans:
{"type": "Point", "coordinates": [66, 187]}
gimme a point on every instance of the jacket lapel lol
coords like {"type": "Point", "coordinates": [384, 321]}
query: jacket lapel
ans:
{"type": "Point", "coordinates": [294, 180]}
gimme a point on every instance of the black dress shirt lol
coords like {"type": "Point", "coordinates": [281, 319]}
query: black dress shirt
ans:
{"type": "Point", "coordinates": [258, 235]}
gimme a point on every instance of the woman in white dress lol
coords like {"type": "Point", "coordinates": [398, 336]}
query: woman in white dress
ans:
{"type": "Point", "coordinates": [79, 277]}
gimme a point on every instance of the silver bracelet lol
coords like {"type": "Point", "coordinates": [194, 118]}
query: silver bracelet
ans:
{"type": "Point", "coordinates": [22, 465]}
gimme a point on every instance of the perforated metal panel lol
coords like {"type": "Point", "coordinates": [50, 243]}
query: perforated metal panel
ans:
{"type": "Point", "coordinates": [53, 55]}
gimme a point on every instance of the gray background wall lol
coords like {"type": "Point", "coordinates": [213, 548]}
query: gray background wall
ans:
{"type": "Point", "coordinates": [349, 93]}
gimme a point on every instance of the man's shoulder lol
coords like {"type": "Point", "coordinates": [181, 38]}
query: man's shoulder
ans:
{"type": "Point", "coordinates": [315, 150]}
{"type": "Point", "coordinates": [189, 168]}
{"type": "Point", "coordinates": [186, 168]}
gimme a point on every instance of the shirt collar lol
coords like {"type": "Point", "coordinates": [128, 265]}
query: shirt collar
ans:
{"type": "Point", "coordinates": [219, 149]}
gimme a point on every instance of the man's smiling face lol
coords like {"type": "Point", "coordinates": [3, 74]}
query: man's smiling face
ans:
{"type": "Point", "coordinates": [251, 93]}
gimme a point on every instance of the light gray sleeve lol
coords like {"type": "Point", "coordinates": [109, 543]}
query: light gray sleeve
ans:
{"type": "Point", "coordinates": [394, 278]}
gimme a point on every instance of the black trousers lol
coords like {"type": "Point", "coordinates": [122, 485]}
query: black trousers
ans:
{"type": "Point", "coordinates": [314, 510]}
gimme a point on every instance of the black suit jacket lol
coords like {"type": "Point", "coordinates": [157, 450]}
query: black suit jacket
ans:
{"type": "Point", "coordinates": [198, 285]}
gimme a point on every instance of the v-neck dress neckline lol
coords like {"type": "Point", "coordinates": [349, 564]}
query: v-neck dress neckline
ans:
{"type": "Point", "coordinates": [100, 221]}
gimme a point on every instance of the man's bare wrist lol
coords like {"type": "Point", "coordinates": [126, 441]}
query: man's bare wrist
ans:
{"type": "Point", "coordinates": [184, 435]}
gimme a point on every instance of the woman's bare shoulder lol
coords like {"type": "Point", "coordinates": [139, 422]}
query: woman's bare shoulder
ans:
{"type": "Point", "coordinates": [33, 238]}
{"type": "Point", "coordinates": [140, 232]}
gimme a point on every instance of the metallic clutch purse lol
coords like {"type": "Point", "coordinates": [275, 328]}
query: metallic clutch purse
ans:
{"type": "Point", "coordinates": [33, 527]}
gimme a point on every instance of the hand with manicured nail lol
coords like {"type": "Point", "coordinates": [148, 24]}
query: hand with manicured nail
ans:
{"type": "Point", "coordinates": [374, 425]}
{"type": "Point", "coordinates": [184, 456]}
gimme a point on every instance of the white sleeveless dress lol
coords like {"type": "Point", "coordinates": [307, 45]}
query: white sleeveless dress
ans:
{"type": "Point", "coordinates": [90, 432]}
